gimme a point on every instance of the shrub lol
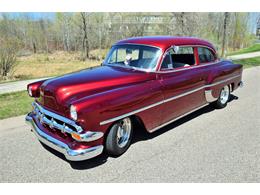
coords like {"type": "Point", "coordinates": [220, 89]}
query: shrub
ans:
{"type": "Point", "coordinates": [8, 52]}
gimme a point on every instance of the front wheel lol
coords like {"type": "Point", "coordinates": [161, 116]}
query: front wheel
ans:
{"type": "Point", "coordinates": [223, 97]}
{"type": "Point", "coordinates": [119, 137]}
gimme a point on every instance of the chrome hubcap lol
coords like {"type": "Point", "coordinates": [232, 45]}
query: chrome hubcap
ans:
{"type": "Point", "coordinates": [224, 94]}
{"type": "Point", "coordinates": [123, 132]}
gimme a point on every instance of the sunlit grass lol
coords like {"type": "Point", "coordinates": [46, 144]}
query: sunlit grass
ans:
{"type": "Point", "coordinates": [14, 104]}
{"type": "Point", "coordinates": [249, 62]}
{"type": "Point", "coordinates": [55, 64]}
{"type": "Point", "coordinates": [253, 48]}
{"type": "Point", "coordinates": [47, 65]}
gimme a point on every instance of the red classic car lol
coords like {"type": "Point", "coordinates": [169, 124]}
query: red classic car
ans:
{"type": "Point", "coordinates": [149, 80]}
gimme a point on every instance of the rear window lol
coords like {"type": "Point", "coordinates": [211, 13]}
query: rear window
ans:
{"type": "Point", "coordinates": [205, 55]}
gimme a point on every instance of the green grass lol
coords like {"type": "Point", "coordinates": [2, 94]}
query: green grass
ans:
{"type": "Point", "coordinates": [15, 104]}
{"type": "Point", "coordinates": [249, 62]}
{"type": "Point", "coordinates": [253, 48]}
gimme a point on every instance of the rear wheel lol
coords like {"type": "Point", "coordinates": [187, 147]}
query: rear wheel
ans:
{"type": "Point", "coordinates": [119, 137]}
{"type": "Point", "coordinates": [223, 97]}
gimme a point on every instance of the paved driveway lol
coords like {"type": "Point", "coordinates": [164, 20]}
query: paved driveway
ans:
{"type": "Point", "coordinates": [244, 56]}
{"type": "Point", "coordinates": [206, 146]}
{"type": "Point", "coordinates": [16, 85]}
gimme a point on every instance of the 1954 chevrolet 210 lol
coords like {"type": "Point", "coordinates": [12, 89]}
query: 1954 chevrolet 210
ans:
{"type": "Point", "coordinates": [150, 80]}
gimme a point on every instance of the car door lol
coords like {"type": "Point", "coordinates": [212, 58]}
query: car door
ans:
{"type": "Point", "coordinates": [182, 82]}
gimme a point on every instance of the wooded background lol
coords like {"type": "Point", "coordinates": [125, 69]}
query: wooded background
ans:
{"type": "Point", "coordinates": [82, 32]}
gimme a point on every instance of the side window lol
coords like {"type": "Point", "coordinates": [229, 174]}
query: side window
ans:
{"type": "Point", "coordinates": [183, 58]}
{"type": "Point", "coordinates": [205, 55]}
{"type": "Point", "coordinates": [167, 64]}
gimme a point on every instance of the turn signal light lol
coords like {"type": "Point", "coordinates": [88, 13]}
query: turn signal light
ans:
{"type": "Point", "coordinates": [76, 136]}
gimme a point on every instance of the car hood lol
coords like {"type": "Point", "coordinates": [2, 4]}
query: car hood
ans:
{"type": "Point", "coordinates": [58, 93]}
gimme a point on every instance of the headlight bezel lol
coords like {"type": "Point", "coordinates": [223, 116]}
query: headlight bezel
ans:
{"type": "Point", "coordinates": [73, 113]}
{"type": "Point", "coordinates": [30, 91]}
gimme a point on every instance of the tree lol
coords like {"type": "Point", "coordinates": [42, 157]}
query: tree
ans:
{"type": "Point", "coordinates": [226, 17]}
{"type": "Point", "coordinates": [8, 50]}
{"type": "Point", "coordinates": [85, 40]}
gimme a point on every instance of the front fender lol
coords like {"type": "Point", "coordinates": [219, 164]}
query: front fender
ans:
{"type": "Point", "coordinates": [99, 111]}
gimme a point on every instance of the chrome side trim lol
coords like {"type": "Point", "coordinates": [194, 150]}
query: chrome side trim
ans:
{"type": "Point", "coordinates": [165, 101]}
{"type": "Point", "coordinates": [209, 97]}
{"type": "Point", "coordinates": [70, 154]}
{"type": "Point", "coordinates": [184, 94]}
{"type": "Point", "coordinates": [156, 128]}
{"type": "Point", "coordinates": [41, 113]}
{"type": "Point", "coordinates": [130, 113]}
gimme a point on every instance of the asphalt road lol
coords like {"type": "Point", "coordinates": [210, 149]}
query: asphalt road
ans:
{"type": "Point", "coordinates": [16, 85]}
{"type": "Point", "coordinates": [244, 56]}
{"type": "Point", "coordinates": [206, 146]}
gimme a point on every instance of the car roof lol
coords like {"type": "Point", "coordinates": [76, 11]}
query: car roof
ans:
{"type": "Point", "coordinates": [165, 42]}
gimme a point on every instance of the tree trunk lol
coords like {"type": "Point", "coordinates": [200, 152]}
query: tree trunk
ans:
{"type": "Point", "coordinates": [34, 48]}
{"type": "Point", "coordinates": [85, 36]}
{"type": "Point", "coordinates": [224, 34]}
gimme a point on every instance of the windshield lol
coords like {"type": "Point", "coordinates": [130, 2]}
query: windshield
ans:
{"type": "Point", "coordinates": [133, 56]}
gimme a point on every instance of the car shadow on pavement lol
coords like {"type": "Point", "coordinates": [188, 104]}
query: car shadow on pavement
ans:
{"type": "Point", "coordinates": [140, 135]}
{"type": "Point", "coordinates": [80, 165]}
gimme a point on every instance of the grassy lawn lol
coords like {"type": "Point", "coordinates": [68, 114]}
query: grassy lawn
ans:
{"type": "Point", "coordinates": [253, 48]}
{"type": "Point", "coordinates": [249, 62]}
{"type": "Point", "coordinates": [48, 65]}
{"type": "Point", "coordinates": [14, 104]}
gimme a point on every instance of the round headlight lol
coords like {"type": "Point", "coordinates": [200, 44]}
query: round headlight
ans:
{"type": "Point", "coordinates": [73, 113]}
{"type": "Point", "coordinates": [30, 91]}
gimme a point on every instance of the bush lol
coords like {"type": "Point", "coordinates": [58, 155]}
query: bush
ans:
{"type": "Point", "coordinates": [8, 52]}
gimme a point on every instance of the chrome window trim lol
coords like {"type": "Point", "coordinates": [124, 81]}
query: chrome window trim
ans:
{"type": "Point", "coordinates": [137, 44]}
{"type": "Point", "coordinates": [192, 66]}
{"type": "Point", "coordinates": [189, 68]}
{"type": "Point", "coordinates": [166, 100]}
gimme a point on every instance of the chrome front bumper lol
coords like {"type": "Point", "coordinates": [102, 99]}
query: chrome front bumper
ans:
{"type": "Point", "coordinates": [70, 154]}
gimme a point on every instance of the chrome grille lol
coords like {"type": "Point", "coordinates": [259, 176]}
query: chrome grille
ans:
{"type": "Point", "coordinates": [55, 121]}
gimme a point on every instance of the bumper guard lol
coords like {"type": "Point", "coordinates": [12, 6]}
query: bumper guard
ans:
{"type": "Point", "coordinates": [70, 154]}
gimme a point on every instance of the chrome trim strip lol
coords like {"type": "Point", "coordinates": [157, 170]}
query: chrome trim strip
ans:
{"type": "Point", "coordinates": [166, 100]}
{"type": "Point", "coordinates": [156, 128]}
{"type": "Point", "coordinates": [70, 154]}
{"type": "Point", "coordinates": [88, 136]}
{"type": "Point", "coordinates": [184, 94]}
{"type": "Point", "coordinates": [130, 113]}
{"type": "Point", "coordinates": [137, 44]}
{"type": "Point", "coordinates": [223, 81]}
{"type": "Point", "coordinates": [209, 97]}
{"type": "Point", "coordinates": [189, 68]}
